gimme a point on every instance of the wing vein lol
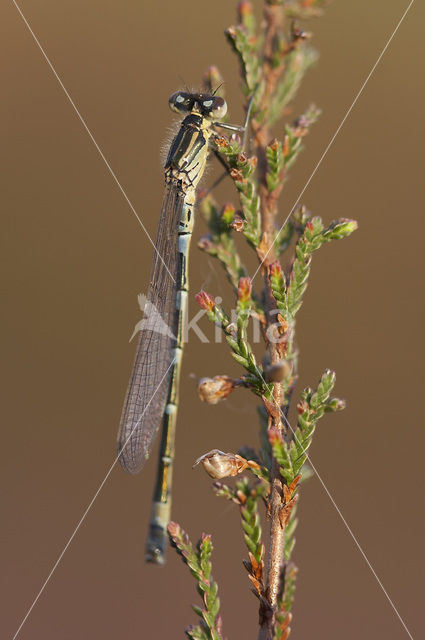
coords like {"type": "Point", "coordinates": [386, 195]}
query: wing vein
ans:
{"type": "Point", "coordinates": [152, 370]}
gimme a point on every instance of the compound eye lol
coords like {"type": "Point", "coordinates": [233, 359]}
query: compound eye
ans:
{"type": "Point", "coordinates": [180, 101]}
{"type": "Point", "coordinates": [218, 108]}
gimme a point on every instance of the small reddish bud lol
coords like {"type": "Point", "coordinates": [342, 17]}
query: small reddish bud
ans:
{"type": "Point", "coordinates": [227, 208]}
{"type": "Point", "coordinates": [309, 226]}
{"type": "Point", "coordinates": [223, 465]}
{"type": "Point", "coordinates": [244, 8]}
{"type": "Point", "coordinates": [228, 213]}
{"type": "Point", "coordinates": [274, 145]}
{"type": "Point", "coordinates": [275, 436]}
{"type": "Point", "coordinates": [238, 223]}
{"type": "Point", "coordinates": [212, 390]}
{"type": "Point", "coordinates": [286, 147]}
{"type": "Point", "coordinates": [244, 289]}
{"type": "Point", "coordinates": [276, 269]}
{"type": "Point", "coordinates": [205, 301]}
{"type": "Point", "coordinates": [302, 407]}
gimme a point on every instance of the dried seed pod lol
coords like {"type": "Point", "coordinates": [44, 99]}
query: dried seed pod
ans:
{"type": "Point", "coordinates": [277, 372]}
{"type": "Point", "coordinates": [212, 390]}
{"type": "Point", "coordinates": [222, 465]}
{"type": "Point", "coordinates": [238, 223]}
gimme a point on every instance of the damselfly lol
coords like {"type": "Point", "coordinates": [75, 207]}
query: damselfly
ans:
{"type": "Point", "coordinates": [153, 388]}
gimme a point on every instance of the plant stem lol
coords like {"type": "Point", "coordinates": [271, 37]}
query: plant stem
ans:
{"type": "Point", "coordinates": [268, 212]}
{"type": "Point", "coordinates": [276, 540]}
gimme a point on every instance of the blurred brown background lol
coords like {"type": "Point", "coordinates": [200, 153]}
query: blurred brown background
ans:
{"type": "Point", "coordinates": [75, 260]}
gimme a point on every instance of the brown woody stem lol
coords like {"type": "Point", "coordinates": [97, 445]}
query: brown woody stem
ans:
{"type": "Point", "coordinates": [275, 556]}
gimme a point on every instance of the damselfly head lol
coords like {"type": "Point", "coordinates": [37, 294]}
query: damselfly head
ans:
{"type": "Point", "coordinates": [206, 105]}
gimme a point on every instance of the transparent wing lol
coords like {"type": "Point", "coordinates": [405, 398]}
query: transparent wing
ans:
{"type": "Point", "coordinates": [153, 365]}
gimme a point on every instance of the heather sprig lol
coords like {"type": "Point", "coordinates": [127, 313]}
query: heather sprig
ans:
{"type": "Point", "coordinates": [273, 58]}
{"type": "Point", "coordinates": [220, 243]}
{"type": "Point", "coordinates": [199, 562]}
{"type": "Point", "coordinates": [236, 335]}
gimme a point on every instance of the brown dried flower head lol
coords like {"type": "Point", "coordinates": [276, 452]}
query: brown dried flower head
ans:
{"type": "Point", "coordinates": [223, 465]}
{"type": "Point", "coordinates": [238, 223]}
{"type": "Point", "coordinates": [212, 390]}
